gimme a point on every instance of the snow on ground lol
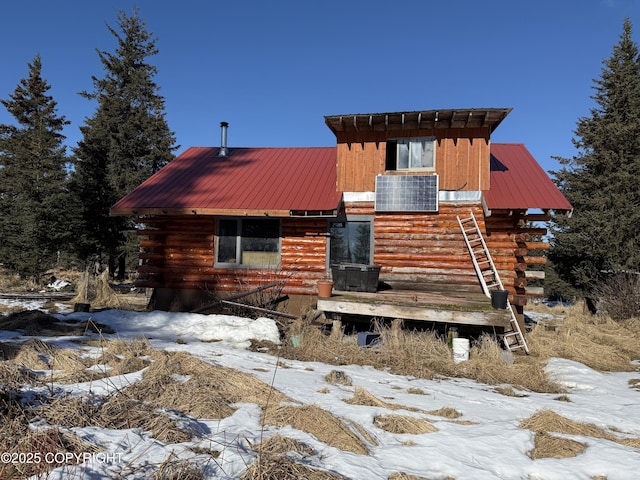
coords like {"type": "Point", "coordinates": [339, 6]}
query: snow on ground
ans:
{"type": "Point", "coordinates": [488, 444]}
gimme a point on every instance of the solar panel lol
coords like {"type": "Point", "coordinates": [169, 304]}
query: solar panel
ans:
{"type": "Point", "coordinates": [406, 193]}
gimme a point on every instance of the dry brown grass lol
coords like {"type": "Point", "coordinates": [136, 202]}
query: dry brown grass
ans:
{"type": "Point", "coordinates": [35, 322]}
{"type": "Point", "coordinates": [406, 476]}
{"type": "Point", "coordinates": [404, 424]}
{"type": "Point", "coordinates": [338, 377]}
{"type": "Point", "coordinates": [596, 341]}
{"type": "Point", "coordinates": [62, 365]}
{"type": "Point", "coordinates": [363, 397]}
{"type": "Point", "coordinates": [279, 445]}
{"type": "Point", "coordinates": [446, 412]}
{"type": "Point", "coordinates": [115, 412]}
{"type": "Point", "coordinates": [422, 355]}
{"type": "Point", "coordinates": [176, 469]}
{"type": "Point", "coordinates": [17, 437]}
{"type": "Point", "coordinates": [274, 462]}
{"type": "Point", "coordinates": [551, 446]}
{"type": "Point", "coordinates": [189, 385]}
{"type": "Point", "coordinates": [106, 297]}
{"type": "Point", "coordinates": [507, 391]}
{"type": "Point", "coordinates": [281, 467]}
{"type": "Point", "coordinates": [318, 422]}
{"type": "Point", "coordinates": [547, 421]}
{"type": "Point", "coordinates": [183, 382]}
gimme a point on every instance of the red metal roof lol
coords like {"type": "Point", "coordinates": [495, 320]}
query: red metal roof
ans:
{"type": "Point", "coordinates": [519, 182]}
{"type": "Point", "coordinates": [282, 181]}
{"type": "Point", "coordinates": [248, 181]}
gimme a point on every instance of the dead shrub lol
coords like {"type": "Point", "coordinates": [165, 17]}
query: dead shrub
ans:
{"type": "Point", "coordinates": [618, 296]}
{"type": "Point", "coordinates": [318, 422]}
{"type": "Point", "coordinates": [106, 297]}
{"type": "Point", "coordinates": [85, 290]}
{"type": "Point", "coordinates": [402, 424]}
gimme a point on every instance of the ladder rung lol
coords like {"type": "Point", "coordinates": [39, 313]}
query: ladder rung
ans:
{"type": "Point", "coordinates": [486, 271]}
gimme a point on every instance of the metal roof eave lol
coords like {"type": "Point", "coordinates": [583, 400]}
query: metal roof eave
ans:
{"type": "Point", "coordinates": [237, 212]}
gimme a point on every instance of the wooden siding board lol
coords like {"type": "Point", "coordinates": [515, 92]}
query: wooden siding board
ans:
{"type": "Point", "coordinates": [462, 158]}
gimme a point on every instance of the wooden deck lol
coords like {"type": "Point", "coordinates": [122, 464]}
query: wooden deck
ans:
{"type": "Point", "coordinates": [450, 306]}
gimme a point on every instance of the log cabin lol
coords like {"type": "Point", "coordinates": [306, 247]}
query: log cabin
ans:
{"type": "Point", "coordinates": [389, 194]}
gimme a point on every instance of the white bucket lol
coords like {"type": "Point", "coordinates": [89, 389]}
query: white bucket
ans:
{"type": "Point", "coordinates": [460, 350]}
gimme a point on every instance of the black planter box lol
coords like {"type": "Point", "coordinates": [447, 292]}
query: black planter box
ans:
{"type": "Point", "coordinates": [355, 277]}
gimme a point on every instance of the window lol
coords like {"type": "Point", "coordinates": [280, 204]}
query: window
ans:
{"type": "Point", "coordinates": [411, 154]}
{"type": "Point", "coordinates": [249, 242]}
{"type": "Point", "coordinates": [350, 241]}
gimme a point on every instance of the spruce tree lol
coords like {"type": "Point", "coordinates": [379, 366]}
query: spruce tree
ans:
{"type": "Point", "coordinates": [602, 181]}
{"type": "Point", "coordinates": [124, 142]}
{"type": "Point", "coordinates": [37, 211]}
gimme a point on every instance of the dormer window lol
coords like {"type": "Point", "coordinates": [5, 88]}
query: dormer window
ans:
{"type": "Point", "coordinates": [411, 154]}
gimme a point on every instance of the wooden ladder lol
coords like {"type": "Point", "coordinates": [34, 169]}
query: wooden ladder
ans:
{"type": "Point", "coordinates": [489, 278]}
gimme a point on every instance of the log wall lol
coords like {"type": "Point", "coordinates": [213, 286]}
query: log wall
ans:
{"type": "Point", "coordinates": [178, 252]}
{"type": "Point", "coordinates": [430, 248]}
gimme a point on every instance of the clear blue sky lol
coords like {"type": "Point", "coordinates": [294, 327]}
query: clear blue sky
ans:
{"type": "Point", "coordinates": [274, 69]}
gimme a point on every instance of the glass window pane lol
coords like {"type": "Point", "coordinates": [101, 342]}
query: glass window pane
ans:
{"type": "Point", "coordinates": [259, 242]}
{"type": "Point", "coordinates": [416, 154]}
{"type": "Point", "coordinates": [350, 242]}
{"type": "Point", "coordinates": [403, 155]}
{"type": "Point", "coordinates": [227, 235]}
{"type": "Point", "coordinates": [427, 153]}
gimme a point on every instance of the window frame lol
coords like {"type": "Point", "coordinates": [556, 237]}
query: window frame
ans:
{"type": "Point", "coordinates": [238, 243]}
{"type": "Point", "coordinates": [353, 219]}
{"type": "Point", "coordinates": [393, 154]}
